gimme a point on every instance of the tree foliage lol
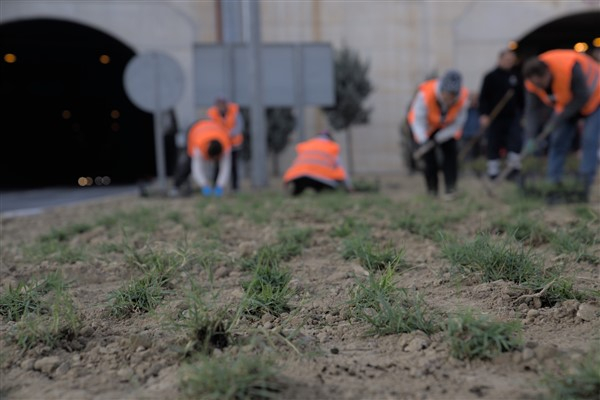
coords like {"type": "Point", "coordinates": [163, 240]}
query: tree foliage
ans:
{"type": "Point", "coordinates": [280, 125]}
{"type": "Point", "coordinates": [352, 87]}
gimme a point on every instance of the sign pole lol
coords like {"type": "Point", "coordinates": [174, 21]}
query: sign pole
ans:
{"type": "Point", "coordinates": [257, 111]}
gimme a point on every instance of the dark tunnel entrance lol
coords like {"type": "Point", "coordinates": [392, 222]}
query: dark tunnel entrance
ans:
{"type": "Point", "coordinates": [562, 33]}
{"type": "Point", "coordinates": [66, 114]}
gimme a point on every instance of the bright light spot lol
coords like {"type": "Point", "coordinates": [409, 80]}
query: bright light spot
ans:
{"type": "Point", "coordinates": [89, 181]}
{"type": "Point", "coordinates": [82, 181]}
{"type": "Point", "coordinates": [114, 114]}
{"type": "Point", "coordinates": [512, 45]}
{"type": "Point", "coordinates": [66, 114]}
{"type": "Point", "coordinates": [106, 180]}
{"type": "Point", "coordinates": [580, 47]}
{"type": "Point", "coordinates": [104, 59]}
{"type": "Point", "coordinates": [596, 42]}
{"type": "Point", "coordinates": [115, 127]}
{"type": "Point", "coordinates": [10, 58]}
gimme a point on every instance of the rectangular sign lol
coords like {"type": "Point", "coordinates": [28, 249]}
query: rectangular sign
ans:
{"type": "Point", "coordinates": [292, 74]}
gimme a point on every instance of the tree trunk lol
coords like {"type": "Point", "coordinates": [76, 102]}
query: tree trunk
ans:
{"type": "Point", "coordinates": [349, 152]}
{"type": "Point", "coordinates": [275, 164]}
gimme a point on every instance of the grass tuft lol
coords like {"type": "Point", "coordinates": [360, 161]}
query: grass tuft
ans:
{"type": "Point", "coordinates": [230, 378]}
{"type": "Point", "coordinates": [579, 381]}
{"type": "Point", "coordinates": [472, 336]}
{"type": "Point", "coordinates": [389, 309]}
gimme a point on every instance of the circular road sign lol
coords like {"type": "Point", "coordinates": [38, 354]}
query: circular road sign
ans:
{"type": "Point", "coordinates": [153, 81]}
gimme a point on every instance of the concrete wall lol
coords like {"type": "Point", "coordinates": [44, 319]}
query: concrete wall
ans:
{"type": "Point", "coordinates": [402, 40]}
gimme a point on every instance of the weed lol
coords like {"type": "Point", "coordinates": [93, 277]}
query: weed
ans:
{"type": "Point", "coordinates": [390, 310]}
{"type": "Point", "coordinates": [350, 226]}
{"type": "Point", "coordinates": [491, 260]}
{"type": "Point", "coordinates": [27, 298]}
{"type": "Point", "coordinates": [523, 229]}
{"type": "Point", "coordinates": [581, 380]}
{"type": "Point", "coordinates": [371, 256]}
{"type": "Point", "coordinates": [431, 220]}
{"type": "Point", "coordinates": [472, 336]}
{"type": "Point", "coordinates": [576, 239]}
{"type": "Point", "coordinates": [290, 244]}
{"type": "Point", "coordinates": [140, 295]}
{"type": "Point", "coordinates": [55, 320]}
{"type": "Point", "coordinates": [230, 378]}
{"type": "Point", "coordinates": [206, 329]}
{"type": "Point", "coordinates": [268, 290]}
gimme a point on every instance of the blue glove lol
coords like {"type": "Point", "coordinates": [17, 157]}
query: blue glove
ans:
{"type": "Point", "coordinates": [218, 191]}
{"type": "Point", "coordinates": [206, 191]}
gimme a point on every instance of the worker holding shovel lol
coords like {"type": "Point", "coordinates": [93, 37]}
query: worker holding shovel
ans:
{"type": "Point", "coordinates": [436, 117]}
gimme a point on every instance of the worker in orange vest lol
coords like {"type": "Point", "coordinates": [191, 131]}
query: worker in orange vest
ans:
{"type": "Point", "coordinates": [228, 115]}
{"type": "Point", "coordinates": [207, 142]}
{"type": "Point", "coordinates": [317, 165]}
{"type": "Point", "coordinates": [438, 113]}
{"type": "Point", "coordinates": [569, 83]}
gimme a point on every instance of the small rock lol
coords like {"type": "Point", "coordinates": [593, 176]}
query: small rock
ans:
{"type": "Point", "coordinates": [527, 354]}
{"type": "Point", "coordinates": [531, 314]}
{"type": "Point", "coordinates": [62, 369]}
{"type": "Point", "coordinates": [268, 325]}
{"type": "Point", "coordinates": [221, 272]}
{"type": "Point", "coordinates": [125, 374]}
{"type": "Point", "coordinates": [537, 303]}
{"type": "Point", "coordinates": [587, 312]}
{"type": "Point", "coordinates": [322, 337]}
{"type": "Point", "coordinates": [335, 350]}
{"type": "Point", "coordinates": [46, 364]}
{"type": "Point", "coordinates": [267, 318]}
{"type": "Point", "coordinates": [417, 344]}
{"type": "Point", "coordinates": [27, 364]}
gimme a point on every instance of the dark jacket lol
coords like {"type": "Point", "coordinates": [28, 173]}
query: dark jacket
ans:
{"type": "Point", "coordinates": [495, 85]}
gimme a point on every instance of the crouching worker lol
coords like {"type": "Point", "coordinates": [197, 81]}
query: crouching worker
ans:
{"type": "Point", "coordinates": [317, 166]}
{"type": "Point", "coordinates": [207, 142]}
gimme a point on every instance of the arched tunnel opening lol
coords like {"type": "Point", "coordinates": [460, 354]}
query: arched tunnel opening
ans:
{"type": "Point", "coordinates": [66, 113]}
{"type": "Point", "coordinates": [562, 33]}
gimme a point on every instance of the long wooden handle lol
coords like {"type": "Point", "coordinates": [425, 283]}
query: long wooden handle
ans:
{"type": "Point", "coordinates": [495, 111]}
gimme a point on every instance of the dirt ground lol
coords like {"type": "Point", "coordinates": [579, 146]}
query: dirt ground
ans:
{"type": "Point", "coordinates": [329, 355]}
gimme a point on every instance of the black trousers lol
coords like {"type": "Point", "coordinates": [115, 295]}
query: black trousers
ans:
{"type": "Point", "coordinates": [234, 170]}
{"type": "Point", "coordinates": [304, 183]}
{"type": "Point", "coordinates": [503, 133]}
{"type": "Point", "coordinates": [449, 167]}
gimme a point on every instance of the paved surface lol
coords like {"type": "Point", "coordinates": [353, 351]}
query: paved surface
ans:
{"type": "Point", "coordinates": [34, 201]}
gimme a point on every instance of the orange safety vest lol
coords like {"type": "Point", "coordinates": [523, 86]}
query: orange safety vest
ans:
{"type": "Point", "coordinates": [560, 63]}
{"type": "Point", "coordinates": [202, 133]}
{"type": "Point", "coordinates": [228, 122]}
{"type": "Point", "coordinates": [316, 158]}
{"type": "Point", "coordinates": [434, 112]}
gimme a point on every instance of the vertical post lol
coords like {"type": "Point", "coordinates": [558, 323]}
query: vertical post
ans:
{"type": "Point", "coordinates": [257, 112]}
{"type": "Point", "coordinates": [299, 91]}
{"type": "Point", "coordinates": [159, 145]}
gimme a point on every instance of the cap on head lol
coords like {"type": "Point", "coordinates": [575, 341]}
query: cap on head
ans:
{"type": "Point", "coordinates": [451, 82]}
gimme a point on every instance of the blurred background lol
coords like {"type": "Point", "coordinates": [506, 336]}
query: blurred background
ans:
{"type": "Point", "coordinates": [68, 121]}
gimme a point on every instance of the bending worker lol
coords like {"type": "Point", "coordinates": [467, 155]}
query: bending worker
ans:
{"type": "Point", "coordinates": [228, 115]}
{"type": "Point", "coordinates": [569, 82]}
{"type": "Point", "coordinates": [438, 114]}
{"type": "Point", "coordinates": [207, 142]}
{"type": "Point", "coordinates": [317, 166]}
